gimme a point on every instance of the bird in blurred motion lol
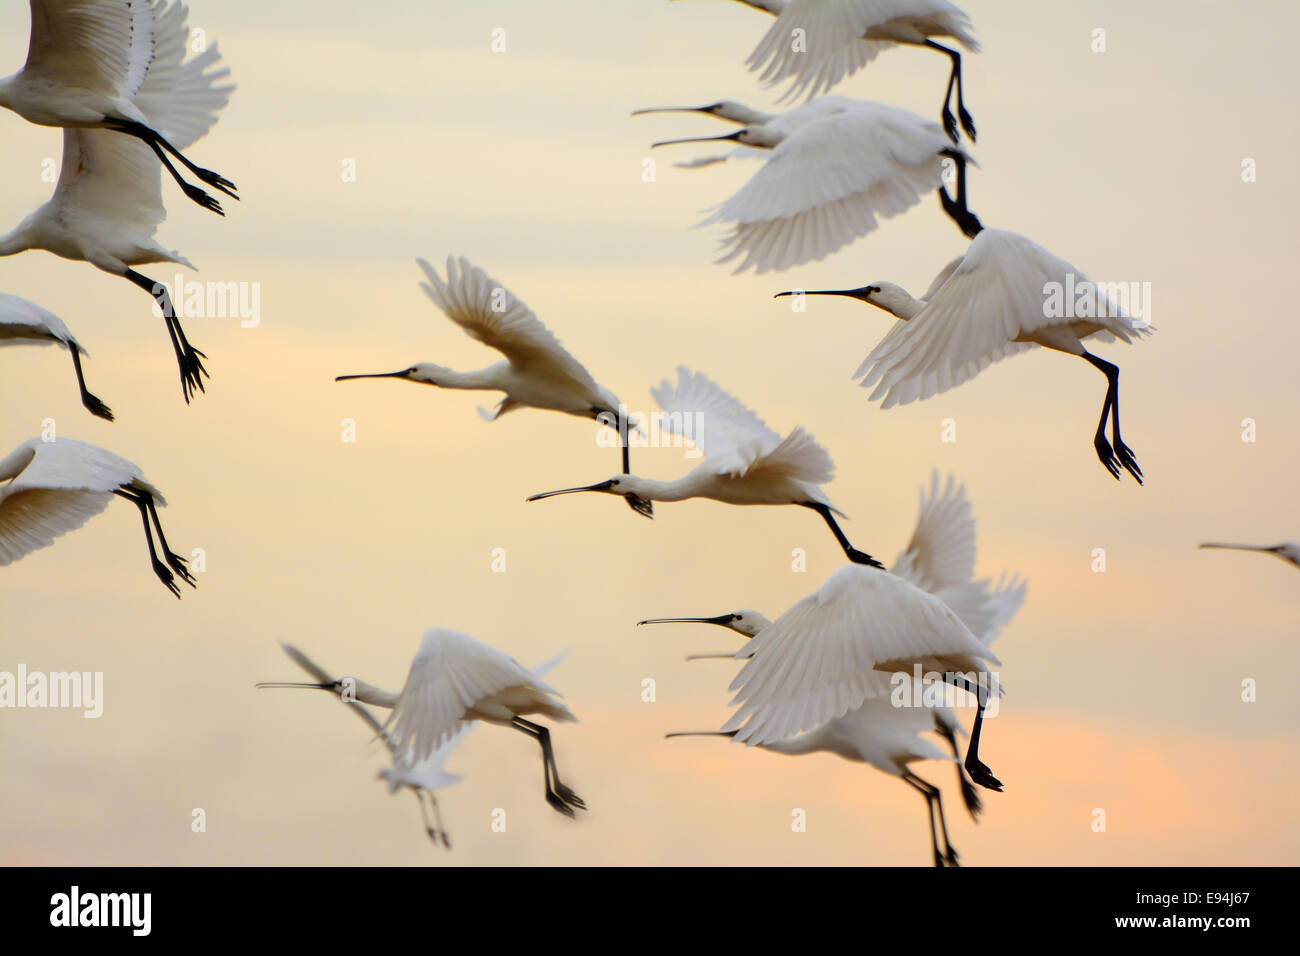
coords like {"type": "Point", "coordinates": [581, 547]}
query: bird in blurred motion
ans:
{"type": "Point", "coordinates": [835, 166]}
{"type": "Point", "coordinates": [746, 463]}
{"type": "Point", "coordinates": [538, 372]}
{"type": "Point", "coordinates": [108, 204]}
{"type": "Point", "coordinates": [1006, 294]}
{"type": "Point", "coordinates": [26, 323]}
{"type": "Point", "coordinates": [456, 679]}
{"type": "Point", "coordinates": [1288, 551]}
{"type": "Point", "coordinates": [48, 488]}
{"type": "Point", "coordinates": [817, 43]}
{"type": "Point", "coordinates": [117, 66]}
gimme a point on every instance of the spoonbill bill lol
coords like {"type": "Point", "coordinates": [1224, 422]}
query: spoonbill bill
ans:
{"type": "Point", "coordinates": [118, 67]}
{"type": "Point", "coordinates": [1006, 294]}
{"type": "Point", "coordinates": [840, 37]}
{"type": "Point", "coordinates": [881, 735]}
{"type": "Point", "coordinates": [538, 372]}
{"type": "Point", "coordinates": [828, 179]}
{"type": "Point", "coordinates": [1288, 551]}
{"type": "Point", "coordinates": [48, 488]}
{"type": "Point", "coordinates": [107, 204]}
{"type": "Point", "coordinates": [746, 463]}
{"type": "Point", "coordinates": [26, 323]}
{"type": "Point", "coordinates": [940, 559]}
{"type": "Point", "coordinates": [455, 679]}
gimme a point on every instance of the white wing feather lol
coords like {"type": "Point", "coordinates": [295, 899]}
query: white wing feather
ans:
{"type": "Point", "coordinates": [24, 322]}
{"type": "Point", "coordinates": [941, 553]}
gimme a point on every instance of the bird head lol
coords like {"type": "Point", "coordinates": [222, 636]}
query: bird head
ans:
{"type": "Point", "coordinates": [884, 295]}
{"type": "Point", "coordinates": [745, 621]}
{"type": "Point", "coordinates": [626, 485]}
{"type": "Point", "coordinates": [424, 373]}
{"type": "Point", "coordinates": [1289, 552]}
{"type": "Point", "coordinates": [760, 137]}
{"type": "Point", "coordinates": [723, 109]}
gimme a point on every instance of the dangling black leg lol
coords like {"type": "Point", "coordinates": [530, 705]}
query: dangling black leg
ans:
{"type": "Point", "coordinates": [969, 795]}
{"type": "Point", "coordinates": [160, 569]}
{"type": "Point", "coordinates": [560, 797]}
{"type": "Point", "coordinates": [174, 560]}
{"type": "Point", "coordinates": [1121, 454]}
{"type": "Point", "coordinates": [954, 81]}
{"type": "Point", "coordinates": [187, 356]}
{"type": "Point", "coordinates": [853, 554]}
{"type": "Point", "coordinates": [429, 828]}
{"type": "Point", "coordinates": [950, 854]}
{"type": "Point", "coordinates": [627, 450]}
{"type": "Point", "coordinates": [977, 770]}
{"type": "Point", "coordinates": [441, 828]}
{"type": "Point", "coordinates": [93, 404]}
{"type": "Point", "coordinates": [154, 138]}
{"type": "Point", "coordinates": [957, 210]}
{"type": "Point", "coordinates": [927, 791]}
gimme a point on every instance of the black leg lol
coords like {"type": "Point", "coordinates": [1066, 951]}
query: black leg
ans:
{"type": "Point", "coordinates": [969, 795]}
{"type": "Point", "coordinates": [954, 81]}
{"type": "Point", "coordinates": [560, 797]}
{"type": "Point", "coordinates": [977, 770]}
{"type": "Point", "coordinates": [1121, 454]}
{"type": "Point", "coordinates": [853, 554]}
{"type": "Point", "coordinates": [93, 404]}
{"type": "Point", "coordinates": [174, 560]}
{"type": "Point", "coordinates": [160, 569]}
{"type": "Point", "coordinates": [949, 854]}
{"type": "Point", "coordinates": [154, 138]}
{"type": "Point", "coordinates": [957, 209]}
{"type": "Point", "coordinates": [188, 358]}
{"type": "Point", "coordinates": [627, 451]}
{"type": "Point", "coordinates": [927, 791]}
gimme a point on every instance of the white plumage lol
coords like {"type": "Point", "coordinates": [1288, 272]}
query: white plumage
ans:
{"type": "Point", "coordinates": [837, 166]}
{"type": "Point", "coordinates": [54, 487]}
{"type": "Point", "coordinates": [26, 323]}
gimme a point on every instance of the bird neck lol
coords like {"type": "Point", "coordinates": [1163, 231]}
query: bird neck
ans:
{"type": "Point", "coordinates": [370, 694]}
{"type": "Point", "coordinates": [802, 744]}
{"type": "Point", "coordinates": [14, 242]}
{"type": "Point", "coordinates": [653, 489]}
{"type": "Point", "coordinates": [483, 379]}
{"type": "Point", "coordinates": [7, 91]}
{"type": "Point", "coordinates": [12, 465]}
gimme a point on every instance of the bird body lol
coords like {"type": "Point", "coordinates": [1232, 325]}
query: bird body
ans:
{"type": "Point", "coordinates": [876, 732]}
{"type": "Point", "coordinates": [26, 323]}
{"type": "Point", "coordinates": [57, 486]}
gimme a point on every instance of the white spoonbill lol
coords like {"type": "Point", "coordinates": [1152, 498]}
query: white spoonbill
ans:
{"type": "Point", "coordinates": [54, 487]}
{"type": "Point", "coordinates": [26, 323]}
{"type": "Point", "coordinates": [455, 679]}
{"type": "Point", "coordinates": [1006, 294]}
{"type": "Point", "coordinates": [836, 38]}
{"type": "Point", "coordinates": [837, 648]}
{"type": "Point", "coordinates": [746, 463]}
{"type": "Point", "coordinates": [1288, 551]}
{"type": "Point", "coordinates": [885, 737]}
{"type": "Point", "coordinates": [108, 204]}
{"type": "Point", "coordinates": [422, 778]}
{"type": "Point", "coordinates": [940, 558]}
{"type": "Point", "coordinates": [829, 178]}
{"type": "Point", "coordinates": [117, 66]}
{"type": "Point", "coordinates": [538, 372]}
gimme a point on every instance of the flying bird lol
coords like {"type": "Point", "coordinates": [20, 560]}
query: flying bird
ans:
{"type": "Point", "coordinates": [817, 43]}
{"type": "Point", "coordinates": [107, 204]}
{"type": "Point", "coordinates": [1288, 551]}
{"type": "Point", "coordinates": [885, 737]}
{"type": "Point", "coordinates": [118, 66]}
{"type": "Point", "coordinates": [939, 558]}
{"type": "Point", "coordinates": [989, 303]}
{"type": "Point", "coordinates": [48, 488]}
{"type": "Point", "coordinates": [831, 175]}
{"type": "Point", "coordinates": [456, 679]}
{"type": "Point", "coordinates": [746, 463]}
{"type": "Point", "coordinates": [538, 372]}
{"type": "Point", "coordinates": [26, 323]}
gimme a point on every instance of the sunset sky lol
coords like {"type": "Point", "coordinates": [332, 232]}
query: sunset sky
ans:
{"type": "Point", "coordinates": [1124, 688]}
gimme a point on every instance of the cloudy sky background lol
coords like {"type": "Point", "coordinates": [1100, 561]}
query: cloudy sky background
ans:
{"type": "Point", "coordinates": [1124, 687]}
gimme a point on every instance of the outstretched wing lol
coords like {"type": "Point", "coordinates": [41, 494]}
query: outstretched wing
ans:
{"type": "Point", "coordinates": [829, 182]}
{"type": "Point", "coordinates": [941, 553]}
{"type": "Point", "coordinates": [491, 313]}
{"type": "Point", "coordinates": [699, 409]}
{"type": "Point", "coordinates": [182, 99]}
{"type": "Point", "coordinates": [110, 177]}
{"type": "Point", "coordinates": [97, 46]}
{"type": "Point", "coordinates": [818, 660]}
